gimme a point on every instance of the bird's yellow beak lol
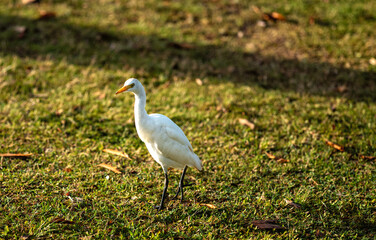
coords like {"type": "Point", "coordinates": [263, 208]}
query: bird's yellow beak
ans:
{"type": "Point", "coordinates": [125, 88]}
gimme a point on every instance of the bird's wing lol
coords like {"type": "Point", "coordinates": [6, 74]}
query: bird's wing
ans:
{"type": "Point", "coordinates": [173, 144]}
{"type": "Point", "coordinates": [172, 130]}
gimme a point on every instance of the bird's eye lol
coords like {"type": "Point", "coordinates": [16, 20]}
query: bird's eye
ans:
{"type": "Point", "coordinates": [131, 85]}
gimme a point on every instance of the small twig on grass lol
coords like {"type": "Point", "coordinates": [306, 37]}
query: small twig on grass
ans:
{"type": "Point", "coordinates": [16, 155]}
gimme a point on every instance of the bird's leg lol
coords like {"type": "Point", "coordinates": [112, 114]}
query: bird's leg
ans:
{"type": "Point", "coordinates": [181, 185]}
{"type": "Point", "coordinates": [160, 207]}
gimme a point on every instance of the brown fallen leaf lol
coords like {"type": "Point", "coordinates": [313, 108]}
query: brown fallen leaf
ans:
{"type": "Point", "coordinates": [247, 123]}
{"type": "Point", "coordinates": [59, 112]}
{"type": "Point", "coordinates": [116, 152]}
{"type": "Point", "coordinates": [278, 16]}
{"type": "Point", "coordinates": [199, 82]}
{"type": "Point", "coordinates": [211, 206]}
{"type": "Point", "coordinates": [282, 160]}
{"type": "Point", "coordinates": [372, 61]}
{"type": "Point", "coordinates": [266, 224]}
{"type": "Point", "coordinates": [25, 2]}
{"type": "Point", "coordinates": [292, 204]}
{"type": "Point", "coordinates": [342, 88]}
{"type": "Point", "coordinates": [45, 15]}
{"type": "Point", "coordinates": [367, 157]}
{"type": "Point", "coordinates": [109, 167]}
{"type": "Point", "coordinates": [336, 146]}
{"type": "Point", "coordinates": [267, 17]}
{"type": "Point", "coordinates": [279, 160]}
{"type": "Point", "coordinates": [61, 220]}
{"type": "Point", "coordinates": [16, 155]}
{"type": "Point", "coordinates": [271, 156]}
{"type": "Point", "coordinates": [102, 96]}
{"type": "Point", "coordinates": [274, 16]}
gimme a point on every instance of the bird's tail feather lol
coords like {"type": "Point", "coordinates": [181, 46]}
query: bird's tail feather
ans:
{"type": "Point", "coordinates": [197, 163]}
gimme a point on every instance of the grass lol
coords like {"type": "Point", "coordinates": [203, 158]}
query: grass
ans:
{"type": "Point", "coordinates": [299, 83]}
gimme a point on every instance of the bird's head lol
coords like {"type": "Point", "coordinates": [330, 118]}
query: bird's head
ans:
{"type": "Point", "coordinates": [131, 85]}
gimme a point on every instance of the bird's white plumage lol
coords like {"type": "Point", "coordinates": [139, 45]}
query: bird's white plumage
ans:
{"type": "Point", "coordinates": [165, 141]}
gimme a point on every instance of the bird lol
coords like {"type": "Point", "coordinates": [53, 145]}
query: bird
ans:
{"type": "Point", "coordinates": [165, 140]}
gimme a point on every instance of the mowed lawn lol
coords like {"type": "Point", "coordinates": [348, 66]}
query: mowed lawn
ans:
{"type": "Point", "coordinates": [302, 155]}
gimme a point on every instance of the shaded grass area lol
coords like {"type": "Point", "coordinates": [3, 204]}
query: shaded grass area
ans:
{"type": "Point", "coordinates": [298, 83]}
{"type": "Point", "coordinates": [264, 57]}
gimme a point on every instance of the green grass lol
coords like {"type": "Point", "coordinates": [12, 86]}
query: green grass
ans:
{"type": "Point", "coordinates": [299, 83]}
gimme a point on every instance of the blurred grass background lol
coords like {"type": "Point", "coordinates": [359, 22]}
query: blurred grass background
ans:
{"type": "Point", "coordinates": [204, 64]}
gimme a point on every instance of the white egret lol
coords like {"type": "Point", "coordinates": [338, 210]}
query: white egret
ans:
{"type": "Point", "coordinates": [165, 141]}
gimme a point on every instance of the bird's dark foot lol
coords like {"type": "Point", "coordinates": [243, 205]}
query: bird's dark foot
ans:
{"type": "Point", "coordinates": [177, 193]}
{"type": "Point", "coordinates": [180, 189]}
{"type": "Point", "coordinates": [159, 207]}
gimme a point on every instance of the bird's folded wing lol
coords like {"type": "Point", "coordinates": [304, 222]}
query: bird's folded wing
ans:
{"type": "Point", "coordinates": [171, 142]}
{"type": "Point", "coordinates": [168, 128]}
{"type": "Point", "coordinates": [175, 133]}
{"type": "Point", "coordinates": [176, 147]}
{"type": "Point", "coordinates": [175, 151]}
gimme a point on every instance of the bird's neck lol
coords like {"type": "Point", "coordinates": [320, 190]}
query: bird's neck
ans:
{"type": "Point", "coordinates": [139, 107]}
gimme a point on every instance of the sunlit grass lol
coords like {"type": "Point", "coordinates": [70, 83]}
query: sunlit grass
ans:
{"type": "Point", "coordinates": [299, 84]}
